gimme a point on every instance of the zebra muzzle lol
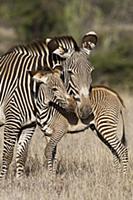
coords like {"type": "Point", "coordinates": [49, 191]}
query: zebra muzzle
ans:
{"type": "Point", "coordinates": [85, 114]}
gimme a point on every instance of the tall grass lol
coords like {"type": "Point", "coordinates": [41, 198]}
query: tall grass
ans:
{"type": "Point", "coordinates": [85, 170]}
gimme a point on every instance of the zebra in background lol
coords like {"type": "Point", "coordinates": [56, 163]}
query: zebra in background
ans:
{"type": "Point", "coordinates": [107, 107]}
{"type": "Point", "coordinates": [16, 95]}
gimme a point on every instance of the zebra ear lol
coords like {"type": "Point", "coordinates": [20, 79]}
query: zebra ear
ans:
{"type": "Point", "coordinates": [62, 46]}
{"type": "Point", "coordinates": [63, 53]}
{"type": "Point", "coordinates": [40, 76]}
{"type": "Point", "coordinates": [48, 40]}
{"type": "Point", "coordinates": [51, 44]}
{"type": "Point", "coordinates": [31, 73]}
{"type": "Point", "coordinates": [54, 48]}
{"type": "Point", "coordinates": [89, 41]}
{"type": "Point", "coordinates": [58, 69]}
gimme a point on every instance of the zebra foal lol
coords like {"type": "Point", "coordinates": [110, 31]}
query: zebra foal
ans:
{"type": "Point", "coordinates": [107, 107]}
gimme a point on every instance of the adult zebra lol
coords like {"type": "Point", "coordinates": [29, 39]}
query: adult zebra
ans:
{"type": "Point", "coordinates": [16, 99]}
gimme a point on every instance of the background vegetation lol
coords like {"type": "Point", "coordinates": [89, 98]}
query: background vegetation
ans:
{"type": "Point", "coordinates": [22, 21]}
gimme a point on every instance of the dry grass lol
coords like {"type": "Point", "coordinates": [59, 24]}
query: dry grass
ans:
{"type": "Point", "coordinates": [85, 170]}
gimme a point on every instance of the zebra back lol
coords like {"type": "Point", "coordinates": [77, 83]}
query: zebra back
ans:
{"type": "Point", "coordinates": [108, 90]}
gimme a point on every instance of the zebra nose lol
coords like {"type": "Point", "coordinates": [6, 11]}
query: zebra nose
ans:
{"type": "Point", "coordinates": [85, 113]}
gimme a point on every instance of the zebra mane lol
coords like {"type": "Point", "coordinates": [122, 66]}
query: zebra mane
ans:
{"type": "Point", "coordinates": [24, 45]}
{"type": "Point", "coordinates": [64, 41]}
{"type": "Point", "coordinates": [68, 41]}
{"type": "Point", "coordinates": [110, 90]}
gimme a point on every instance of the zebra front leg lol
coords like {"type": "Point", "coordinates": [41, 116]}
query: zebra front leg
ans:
{"type": "Point", "coordinates": [50, 153]}
{"type": "Point", "coordinates": [50, 150]}
{"type": "Point", "coordinates": [10, 135]}
{"type": "Point", "coordinates": [22, 150]}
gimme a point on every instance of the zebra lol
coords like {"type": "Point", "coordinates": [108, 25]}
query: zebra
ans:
{"type": "Point", "coordinates": [107, 107]}
{"type": "Point", "coordinates": [17, 87]}
{"type": "Point", "coordinates": [53, 120]}
{"type": "Point", "coordinates": [54, 93]}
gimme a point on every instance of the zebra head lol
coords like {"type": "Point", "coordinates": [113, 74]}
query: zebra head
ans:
{"type": "Point", "coordinates": [52, 89]}
{"type": "Point", "coordinates": [77, 76]}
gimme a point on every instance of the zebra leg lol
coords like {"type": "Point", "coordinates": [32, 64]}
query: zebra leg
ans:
{"type": "Point", "coordinates": [10, 135]}
{"type": "Point", "coordinates": [124, 158]}
{"type": "Point", "coordinates": [109, 137]}
{"type": "Point", "coordinates": [50, 150]}
{"type": "Point", "coordinates": [120, 153]}
{"type": "Point", "coordinates": [55, 160]}
{"type": "Point", "coordinates": [116, 162]}
{"type": "Point", "coordinates": [22, 150]}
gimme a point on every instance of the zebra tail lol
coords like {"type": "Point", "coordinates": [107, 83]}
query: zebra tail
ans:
{"type": "Point", "coordinates": [123, 139]}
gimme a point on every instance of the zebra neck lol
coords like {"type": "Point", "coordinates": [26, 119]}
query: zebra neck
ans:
{"type": "Point", "coordinates": [45, 114]}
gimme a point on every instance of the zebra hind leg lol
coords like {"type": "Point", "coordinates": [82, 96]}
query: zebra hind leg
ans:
{"type": "Point", "coordinates": [120, 156]}
{"type": "Point", "coordinates": [120, 153]}
{"type": "Point", "coordinates": [124, 158]}
{"type": "Point", "coordinates": [116, 147]}
{"type": "Point", "coordinates": [22, 150]}
{"type": "Point", "coordinates": [117, 164]}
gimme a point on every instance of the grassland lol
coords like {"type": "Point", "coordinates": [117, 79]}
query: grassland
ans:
{"type": "Point", "coordinates": [85, 169]}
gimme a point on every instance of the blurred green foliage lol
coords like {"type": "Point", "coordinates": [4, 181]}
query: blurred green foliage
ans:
{"type": "Point", "coordinates": [111, 19]}
{"type": "Point", "coordinates": [114, 64]}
